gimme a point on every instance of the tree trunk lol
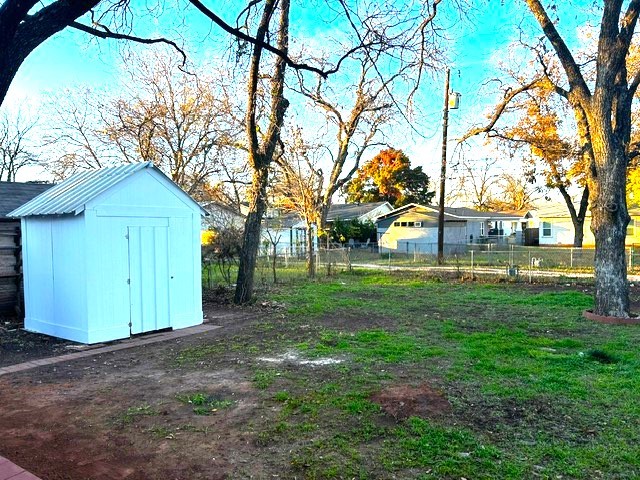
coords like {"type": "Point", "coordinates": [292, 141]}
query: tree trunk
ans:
{"type": "Point", "coordinates": [322, 224]}
{"type": "Point", "coordinates": [577, 218]}
{"type": "Point", "coordinates": [261, 156]}
{"type": "Point", "coordinates": [274, 264]}
{"type": "Point", "coordinates": [251, 237]}
{"type": "Point", "coordinates": [609, 220]}
{"type": "Point", "coordinates": [578, 232]}
{"type": "Point", "coordinates": [311, 264]}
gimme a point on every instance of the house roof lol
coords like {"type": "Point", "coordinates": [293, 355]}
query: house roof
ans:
{"type": "Point", "coordinates": [15, 194]}
{"type": "Point", "coordinates": [213, 205]}
{"type": "Point", "coordinates": [71, 195]}
{"type": "Point", "coordinates": [288, 220]}
{"type": "Point", "coordinates": [453, 213]}
{"type": "Point", "coordinates": [561, 211]}
{"type": "Point", "coordinates": [470, 213]}
{"type": "Point", "coordinates": [351, 211]}
{"type": "Point", "coordinates": [415, 206]}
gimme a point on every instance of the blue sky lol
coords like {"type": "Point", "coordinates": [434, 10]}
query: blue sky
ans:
{"type": "Point", "coordinates": [73, 59]}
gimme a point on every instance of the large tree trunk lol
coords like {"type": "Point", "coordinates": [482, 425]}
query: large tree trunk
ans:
{"type": "Point", "coordinates": [609, 220]}
{"type": "Point", "coordinates": [311, 264]}
{"type": "Point", "coordinates": [261, 155]}
{"type": "Point", "coordinates": [251, 237]}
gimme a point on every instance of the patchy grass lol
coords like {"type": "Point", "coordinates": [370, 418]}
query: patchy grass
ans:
{"type": "Point", "coordinates": [204, 403]}
{"type": "Point", "coordinates": [534, 390]}
{"type": "Point", "coordinates": [133, 413]}
{"type": "Point", "coordinates": [372, 346]}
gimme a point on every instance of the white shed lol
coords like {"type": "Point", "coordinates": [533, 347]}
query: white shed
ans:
{"type": "Point", "coordinates": [111, 253]}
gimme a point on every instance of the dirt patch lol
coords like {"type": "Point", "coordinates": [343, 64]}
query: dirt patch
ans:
{"type": "Point", "coordinates": [17, 346]}
{"type": "Point", "coordinates": [404, 401]}
{"type": "Point", "coordinates": [350, 321]}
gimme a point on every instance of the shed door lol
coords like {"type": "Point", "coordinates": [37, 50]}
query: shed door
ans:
{"type": "Point", "coordinates": [148, 278]}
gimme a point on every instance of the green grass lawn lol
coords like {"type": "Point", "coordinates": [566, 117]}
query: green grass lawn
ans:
{"type": "Point", "coordinates": [533, 390]}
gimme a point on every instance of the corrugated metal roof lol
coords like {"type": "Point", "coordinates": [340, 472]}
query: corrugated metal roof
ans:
{"type": "Point", "coordinates": [71, 195]}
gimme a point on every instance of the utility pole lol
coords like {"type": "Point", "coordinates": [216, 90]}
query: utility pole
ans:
{"type": "Point", "coordinates": [443, 170]}
{"type": "Point", "coordinates": [443, 167]}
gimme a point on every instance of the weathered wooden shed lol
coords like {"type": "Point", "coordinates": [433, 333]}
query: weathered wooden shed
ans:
{"type": "Point", "coordinates": [110, 253]}
{"type": "Point", "coordinates": [13, 195]}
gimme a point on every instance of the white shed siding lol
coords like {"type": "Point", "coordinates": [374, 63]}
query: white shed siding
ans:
{"type": "Point", "coordinates": [37, 257]}
{"type": "Point", "coordinates": [186, 276]}
{"type": "Point", "coordinates": [55, 287]}
{"type": "Point", "coordinates": [108, 299]}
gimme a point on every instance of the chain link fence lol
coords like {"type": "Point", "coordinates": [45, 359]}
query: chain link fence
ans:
{"type": "Point", "coordinates": [473, 259]}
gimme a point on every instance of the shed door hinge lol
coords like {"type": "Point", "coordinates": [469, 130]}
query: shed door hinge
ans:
{"type": "Point", "coordinates": [128, 281]}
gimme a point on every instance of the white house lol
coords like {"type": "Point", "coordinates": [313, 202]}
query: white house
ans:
{"type": "Point", "coordinates": [414, 227]}
{"type": "Point", "coordinates": [556, 227]}
{"type": "Point", "coordinates": [110, 253]}
{"type": "Point", "coordinates": [221, 216]}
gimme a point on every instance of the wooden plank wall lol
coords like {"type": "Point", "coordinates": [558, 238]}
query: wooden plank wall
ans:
{"type": "Point", "coordinates": [11, 294]}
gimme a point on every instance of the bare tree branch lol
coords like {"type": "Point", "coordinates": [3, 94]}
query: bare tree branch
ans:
{"type": "Point", "coordinates": [574, 75]}
{"type": "Point", "coordinates": [106, 33]}
{"type": "Point", "coordinates": [510, 94]}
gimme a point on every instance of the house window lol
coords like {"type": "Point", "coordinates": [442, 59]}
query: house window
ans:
{"type": "Point", "coordinates": [396, 224]}
{"type": "Point", "coordinates": [403, 224]}
{"type": "Point", "coordinates": [418, 224]}
{"type": "Point", "coordinates": [482, 229]}
{"type": "Point", "coordinates": [411, 224]}
{"type": "Point", "coordinates": [514, 227]}
{"type": "Point", "coordinates": [546, 229]}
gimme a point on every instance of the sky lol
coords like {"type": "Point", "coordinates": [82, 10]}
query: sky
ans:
{"type": "Point", "coordinates": [475, 46]}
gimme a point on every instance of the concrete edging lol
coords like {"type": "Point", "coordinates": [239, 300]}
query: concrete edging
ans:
{"type": "Point", "coordinates": [128, 343]}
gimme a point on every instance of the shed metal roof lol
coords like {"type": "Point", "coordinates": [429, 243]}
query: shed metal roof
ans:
{"type": "Point", "coordinates": [71, 196]}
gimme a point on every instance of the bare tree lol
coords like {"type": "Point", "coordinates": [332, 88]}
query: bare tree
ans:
{"type": "Point", "coordinates": [272, 228]}
{"type": "Point", "coordinates": [476, 181]}
{"type": "Point", "coordinates": [395, 45]}
{"type": "Point", "coordinates": [515, 194]}
{"type": "Point", "coordinates": [75, 139]}
{"type": "Point", "coordinates": [357, 127]}
{"type": "Point", "coordinates": [299, 188]}
{"type": "Point", "coordinates": [16, 150]}
{"type": "Point", "coordinates": [183, 123]}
